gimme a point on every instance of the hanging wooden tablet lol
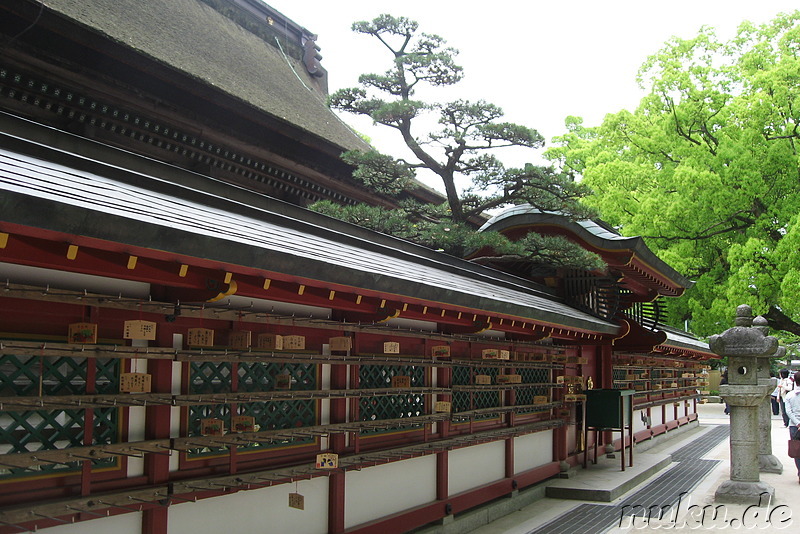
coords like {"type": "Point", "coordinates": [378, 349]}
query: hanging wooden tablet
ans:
{"type": "Point", "coordinates": [240, 339]}
{"type": "Point", "coordinates": [483, 379]}
{"type": "Point", "coordinates": [401, 381]}
{"type": "Point", "coordinates": [283, 381]}
{"type": "Point", "coordinates": [135, 382]}
{"type": "Point", "coordinates": [490, 354]}
{"type": "Point", "coordinates": [269, 342]}
{"type": "Point", "coordinates": [504, 354]}
{"type": "Point", "coordinates": [139, 330]}
{"type": "Point", "coordinates": [391, 347]}
{"type": "Point", "coordinates": [297, 501]}
{"type": "Point", "coordinates": [212, 427]}
{"type": "Point", "coordinates": [327, 460]}
{"type": "Point", "coordinates": [443, 406]}
{"type": "Point", "coordinates": [294, 342]}
{"type": "Point", "coordinates": [440, 351]}
{"type": "Point", "coordinates": [243, 423]}
{"type": "Point", "coordinates": [82, 333]}
{"type": "Point", "coordinates": [341, 343]}
{"type": "Point", "coordinates": [200, 337]}
{"type": "Point", "coordinates": [540, 399]}
{"type": "Point", "coordinates": [509, 379]}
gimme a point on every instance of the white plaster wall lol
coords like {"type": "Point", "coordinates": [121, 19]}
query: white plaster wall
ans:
{"type": "Point", "coordinates": [261, 511]}
{"type": "Point", "coordinates": [130, 523]}
{"type": "Point", "coordinates": [656, 417]}
{"type": "Point", "coordinates": [471, 467]}
{"type": "Point", "coordinates": [533, 450]}
{"type": "Point", "coordinates": [136, 416]}
{"type": "Point", "coordinates": [382, 490]}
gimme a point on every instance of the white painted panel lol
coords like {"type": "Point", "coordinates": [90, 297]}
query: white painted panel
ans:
{"type": "Point", "coordinates": [385, 489]}
{"type": "Point", "coordinates": [471, 467]}
{"type": "Point", "coordinates": [136, 416]}
{"type": "Point", "coordinates": [533, 450]}
{"type": "Point", "coordinates": [656, 417]}
{"type": "Point", "coordinates": [130, 523]}
{"type": "Point", "coordinates": [256, 511]}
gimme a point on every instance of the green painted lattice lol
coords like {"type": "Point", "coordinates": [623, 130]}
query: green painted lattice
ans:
{"type": "Point", "coordinates": [474, 400]}
{"type": "Point", "coordinates": [215, 377]}
{"type": "Point", "coordinates": [40, 430]}
{"type": "Point", "coordinates": [391, 406]}
{"type": "Point", "coordinates": [525, 395]}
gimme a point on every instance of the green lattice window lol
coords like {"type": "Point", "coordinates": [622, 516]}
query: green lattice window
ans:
{"type": "Point", "coordinates": [525, 395]}
{"type": "Point", "coordinates": [28, 375]}
{"type": "Point", "coordinates": [253, 376]}
{"type": "Point", "coordinates": [474, 400]}
{"type": "Point", "coordinates": [210, 377]}
{"type": "Point", "coordinates": [391, 406]}
{"type": "Point", "coordinates": [107, 372]}
{"type": "Point", "coordinates": [39, 430]}
{"type": "Point", "coordinates": [42, 430]}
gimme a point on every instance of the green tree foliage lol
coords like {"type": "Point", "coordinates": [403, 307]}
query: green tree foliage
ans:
{"type": "Point", "coordinates": [459, 148]}
{"type": "Point", "coordinates": [706, 169]}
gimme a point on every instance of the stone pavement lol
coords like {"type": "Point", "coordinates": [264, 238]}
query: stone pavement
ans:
{"type": "Point", "coordinates": [697, 460]}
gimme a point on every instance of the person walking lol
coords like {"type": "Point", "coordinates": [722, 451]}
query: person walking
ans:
{"type": "Point", "coordinates": [722, 381]}
{"type": "Point", "coordinates": [785, 385]}
{"type": "Point", "coordinates": [791, 405]}
{"type": "Point", "coordinates": [773, 397]}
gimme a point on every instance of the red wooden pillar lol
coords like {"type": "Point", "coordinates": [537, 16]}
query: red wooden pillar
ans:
{"type": "Point", "coordinates": [157, 426]}
{"type": "Point", "coordinates": [336, 486]}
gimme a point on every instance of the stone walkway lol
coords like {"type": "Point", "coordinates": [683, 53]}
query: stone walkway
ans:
{"type": "Point", "coordinates": [684, 491]}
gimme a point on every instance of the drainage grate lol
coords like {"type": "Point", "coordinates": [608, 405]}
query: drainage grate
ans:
{"type": "Point", "coordinates": [703, 444]}
{"type": "Point", "coordinates": [663, 492]}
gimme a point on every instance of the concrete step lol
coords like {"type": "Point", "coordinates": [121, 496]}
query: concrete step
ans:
{"type": "Point", "coordinates": [605, 481]}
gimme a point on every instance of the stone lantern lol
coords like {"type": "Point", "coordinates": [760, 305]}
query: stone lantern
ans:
{"type": "Point", "coordinates": [767, 462]}
{"type": "Point", "coordinates": [747, 348]}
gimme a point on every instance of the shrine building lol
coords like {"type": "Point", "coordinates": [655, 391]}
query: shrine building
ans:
{"type": "Point", "coordinates": [184, 347]}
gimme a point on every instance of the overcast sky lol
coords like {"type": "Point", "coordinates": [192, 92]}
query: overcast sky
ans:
{"type": "Point", "coordinates": [539, 61]}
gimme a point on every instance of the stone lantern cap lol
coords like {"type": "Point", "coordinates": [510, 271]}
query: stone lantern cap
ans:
{"type": "Point", "coordinates": [744, 339]}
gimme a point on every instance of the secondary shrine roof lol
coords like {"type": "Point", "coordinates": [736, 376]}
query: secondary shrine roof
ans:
{"type": "Point", "coordinates": [167, 209]}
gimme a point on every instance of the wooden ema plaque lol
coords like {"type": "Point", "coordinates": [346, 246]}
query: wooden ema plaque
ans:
{"type": "Point", "coordinates": [341, 343]}
{"type": "Point", "coordinates": [443, 407]}
{"type": "Point", "coordinates": [401, 381]}
{"type": "Point", "coordinates": [583, 360]}
{"type": "Point", "coordinates": [391, 347]}
{"type": "Point", "coordinates": [483, 379]}
{"type": "Point", "coordinates": [294, 342]}
{"type": "Point", "coordinates": [495, 354]}
{"type": "Point", "coordinates": [243, 423]}
{"type": "Point", "coordinates": [269, 342]}
{"type": "Point", "coordinates": [139, 330]}
{"type": "Point", "coordinates": [240, 339]}
{"type": "Point", "coordinates": [558, 358]}
{"type": "Point", "coordinates": [212, 427]}
{"type": "Point", "coordinates": [327, 460]}
{"type": "Point", "coordinates": [575, 398]}
{"type": "Point", "coordinates": [440, 351]}
{"type": "Point", "coordinates": [134, 383]}
{"type": "Point", "coordinates": [297, 501]}
{"type": "Point", "coordinates": [200, 337]}
{"type": "Point", "coordinates": [509, 379]}
{"type": "Point", "coordinates": [540, 399]}
{"type": "Point", "coordinates": [82, 333]}
{"type": "Point", "coordinates": [283, 381]}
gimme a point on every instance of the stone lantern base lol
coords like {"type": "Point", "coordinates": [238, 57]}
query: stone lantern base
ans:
{"type": "Point", "coordinates": [738, 492]}
{"type": "Point", "coordinates": [769, 463]}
